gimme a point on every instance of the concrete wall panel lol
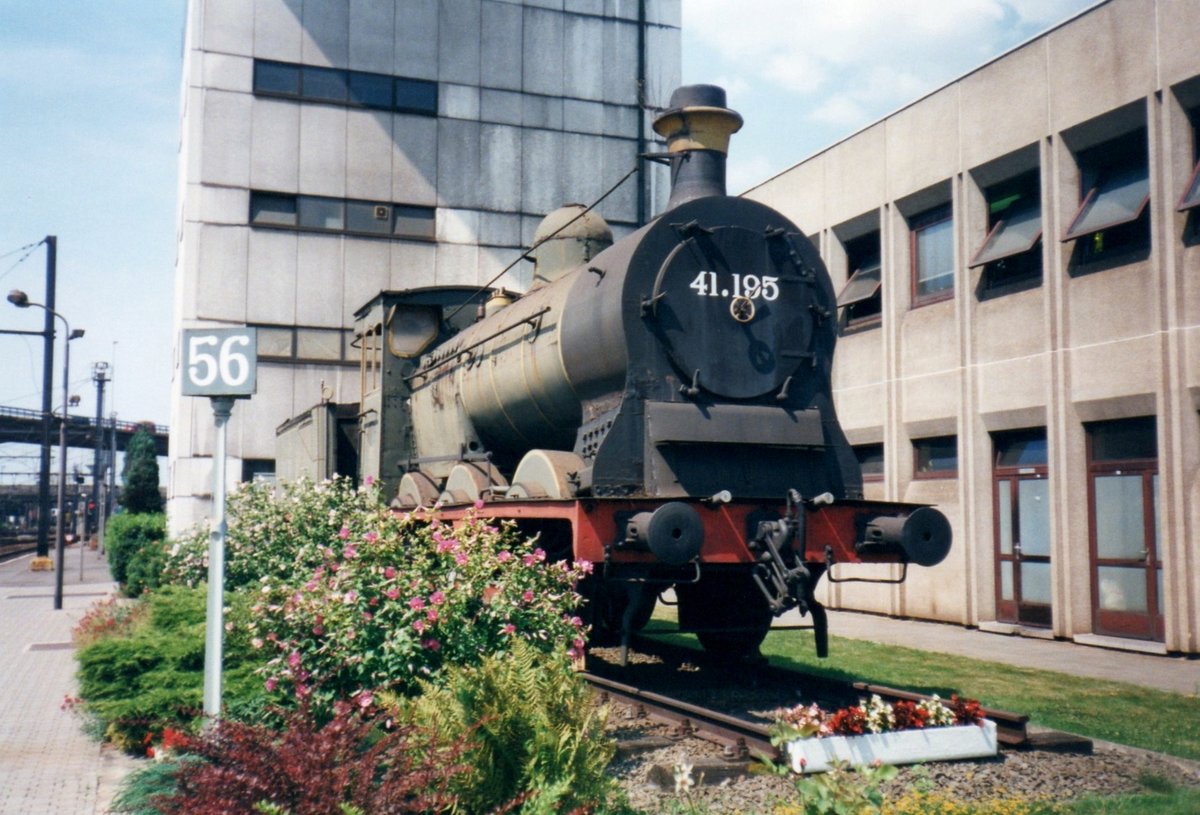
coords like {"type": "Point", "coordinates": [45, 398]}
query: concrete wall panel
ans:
{"type": "Point", "coordinates": [414, 264]}
{"type": "Point", "coordinates": [323, 150]}
{"type": "Point", "coordinates": [500, 167]}
{"type": "Point", "coordinates": [277, 30]}
{"type": "Point", "coordinates": [458, 163]}
{"type": "Point", "coordinates": [271, 276]}
{"type": "Point", "coordinates": [221, 282]}
{"type": "Point", "coordinates": [319, 281]}
{"type": "Point", "coordinates": [226, 139]}
{"type": "Point", "coordinates": [417, 40]}
{"type": "Point", "coordinates": [275, 146]}
{"type": "Point", "coordinates": [923, 143]}
{"type": "Point", "coordinates": [223, 29]}
{"type": "Point", "coordinates": [502, 46]}
{"type": "Point", "coordinates": [326, 35]}
{"type": "Point", "coordinates": [583, 51]}
{"type": "Point", "coordinates": [369, 155]}
{"type": "Point", "coordinates": [372, 46]}
{"type": "Point", "coordinates": [542, 68]}
{"type": "Point", "coordinates": [228, 73]}
{"type": "Point", "coordinates": [368, 271]}
{"type": "Point", "coordinates": [414, 160]}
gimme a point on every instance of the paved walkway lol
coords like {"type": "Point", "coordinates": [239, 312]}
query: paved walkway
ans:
{"type": "Point", "coordinates": [1174, 674]}
{"type": "Point", "coordinates": [47, 765]}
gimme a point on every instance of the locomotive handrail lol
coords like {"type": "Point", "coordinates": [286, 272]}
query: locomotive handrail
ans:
{"type": "Point", "coordinates": [533, 320]}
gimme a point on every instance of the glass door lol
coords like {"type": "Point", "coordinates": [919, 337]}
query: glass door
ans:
{"type": "Point", "coordinates": [1021, 504]}
{"type": "Point", "coordinates": [1123, 504]}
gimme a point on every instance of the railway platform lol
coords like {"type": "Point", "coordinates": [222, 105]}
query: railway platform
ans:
{"type": "Point", "coordinates": [47, 765]}
{"type": "Point", "coordinates": [1169, 673]}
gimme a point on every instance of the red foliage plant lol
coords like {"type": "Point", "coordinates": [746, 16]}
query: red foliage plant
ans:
{"type": "Point", "coordinates": [966, 711]}
{"type": "Point", "coordinates": [310, 768]}
{"type": "Point", "coordinates": [849, 721]}
{"type": "Point", "coordinates": [908, 716]}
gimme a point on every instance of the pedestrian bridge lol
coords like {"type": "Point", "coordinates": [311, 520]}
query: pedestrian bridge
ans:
{"type": "Point", "coordinates": [24, 426]}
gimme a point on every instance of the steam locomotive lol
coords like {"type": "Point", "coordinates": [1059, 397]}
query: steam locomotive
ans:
{"type": "Point", "coordinates": [660, 406]}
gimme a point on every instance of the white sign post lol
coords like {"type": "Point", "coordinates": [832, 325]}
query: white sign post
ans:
{"type": "Point", "coordinates": [220, 363]}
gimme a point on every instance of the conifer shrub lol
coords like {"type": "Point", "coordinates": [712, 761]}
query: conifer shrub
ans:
{"type": "Point", "coordinates": [125, 537]}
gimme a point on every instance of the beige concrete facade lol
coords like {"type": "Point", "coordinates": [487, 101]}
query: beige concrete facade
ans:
{"type": "Point", "coordinates": [1099, 337]}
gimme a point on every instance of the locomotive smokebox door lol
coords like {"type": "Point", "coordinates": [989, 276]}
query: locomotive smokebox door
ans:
{"type": "Point", "coordinates": [733, 310]}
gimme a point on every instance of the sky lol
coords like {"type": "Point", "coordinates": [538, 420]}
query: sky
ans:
{"type": "Point", "coordinates": [89, 142]}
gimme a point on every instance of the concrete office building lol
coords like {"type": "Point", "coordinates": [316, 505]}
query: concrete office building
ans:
{"type": "Point", "coordinates": [1020, 306]}
{"type": "Point", "coordinates": [332, 149]}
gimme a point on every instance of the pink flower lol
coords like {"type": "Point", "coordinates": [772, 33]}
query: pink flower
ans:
{"type": "Point", "coordinates": [508, 628]}
{"type": "Point", "coordinates": [432, 645]}
{"type": "Point", "coordinates": [584, 566]}
{"type": "Point", "coordinates": [392, 593]}
{"type": "Point", "coordinates": [437, 598]}
{"type": "Point", "coordinates": [527, 596]}
{"type": "Point", "coordinates": [350, 552]}
{"type": "Point", "coordinates": [371, 537]}
{"type": "Point", "coordinates": [478, 503]}
{"type": "Point", "coordinates": [419, 626]}
{"type": "Point", "coordinates": [270, 684]}
{"type": "Point", "coordinates": [389, 572]}
{"type": "Point", "coordinates": [364, 699]}
{"type": "Point", "coordinates": [432, 615]}
{"type": "Point", "coordinates": [369, 480]}
{"type": "Point", "coordinates": [344, 532]}
{"type": "Point", "coordinates": [294, 659]}
{"type": "Point", "coordinates": [256, 643]}
{"type": "Point", "coordinates": [417, 603]}
{"type": "Point", "coordinates": [446, 546]}
{"type": "Point", "coordinates": [350, 597]}
{"type": "Point", "coordinates": [461, 558]}
{"type": "Point", "coordinates": [528, 560]}
{"type": "Point", "coordinates": [504, 557]}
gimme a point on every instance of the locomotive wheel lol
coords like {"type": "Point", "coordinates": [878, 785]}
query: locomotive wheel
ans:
{"type": "Point", "coordinates": [727, 611]}
{"type": "Point", "coordinates": [612, 603]}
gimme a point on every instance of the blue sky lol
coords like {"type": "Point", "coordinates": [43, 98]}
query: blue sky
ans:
{"type": "Point", "coordinates": [89, 134]}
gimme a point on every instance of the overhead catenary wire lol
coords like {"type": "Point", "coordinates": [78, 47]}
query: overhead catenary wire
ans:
{"type": "Point", "coordinates": [27, 248]}
{"type": "Point", "coordinates": [525, 255]}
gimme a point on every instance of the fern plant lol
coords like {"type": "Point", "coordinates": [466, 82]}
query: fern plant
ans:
{"type": "Point", "coordinates": [538, 738]}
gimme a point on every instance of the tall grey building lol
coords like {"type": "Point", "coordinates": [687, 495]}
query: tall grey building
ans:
{"type": "Point", "coordinates": [332, 149]}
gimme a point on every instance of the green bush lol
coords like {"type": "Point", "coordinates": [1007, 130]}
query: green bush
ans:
{"type": "Point", "coordinates": [538, 735]}
{"type": "Point", "coordinates": [151, 677]}
{"type": "Point", "coordinates": [125, 536]}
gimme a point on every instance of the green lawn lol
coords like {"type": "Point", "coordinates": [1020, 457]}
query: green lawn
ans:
{"type": "Point", "coordinates": [1111, 711]}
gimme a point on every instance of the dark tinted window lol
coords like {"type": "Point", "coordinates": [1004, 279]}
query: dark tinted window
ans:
{"type": "Point", "coordinates": [936, 457]}
{"type": "Point", "coordinates": [276, 77]}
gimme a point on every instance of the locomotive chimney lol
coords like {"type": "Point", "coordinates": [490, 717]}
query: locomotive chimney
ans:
{"type": "Point", "coordinates": [697, 127]}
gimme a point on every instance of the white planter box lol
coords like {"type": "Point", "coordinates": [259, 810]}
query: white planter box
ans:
{"type": "Point", "coordinates": [901, 747]}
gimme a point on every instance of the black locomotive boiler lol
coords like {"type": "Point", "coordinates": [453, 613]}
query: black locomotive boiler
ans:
{"type": "Point", "coordinates": [660, 406]}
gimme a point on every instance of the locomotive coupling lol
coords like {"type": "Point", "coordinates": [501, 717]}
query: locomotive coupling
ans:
{"type": "Point", "coordinates": [923, 536]}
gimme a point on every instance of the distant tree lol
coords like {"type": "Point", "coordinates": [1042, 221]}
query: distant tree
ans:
{"type": "Point", "coordinates": [140, 475]}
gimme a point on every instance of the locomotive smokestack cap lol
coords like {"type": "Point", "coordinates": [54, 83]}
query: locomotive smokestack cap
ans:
{"type": "Point", "coordinates": [697, 127]}
{"type": "Point", "coordinates": [697, 119]}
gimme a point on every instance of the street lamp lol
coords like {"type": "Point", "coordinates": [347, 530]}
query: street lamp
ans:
{"type": "Point", "coordinates": [21, 300]}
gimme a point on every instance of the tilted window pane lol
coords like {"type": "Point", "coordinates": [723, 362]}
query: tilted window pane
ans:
{"type": "Point", "coordinates": [273, 210]}
{"type": "Point", "coordinates": [321, 213]}
{"type": "Point", "coordinates": [862, 285]}
{"type": "Point", "coordinates": [1191, 195]}
{"type": "Point", "coordinates": [1116, 199]}
{"type": "Point", "coordinates": [935, 258]}
{"type": "Point", "coordinates": [365, 216]}
{"type": "Point", "coordinates": [1120, 525]}
{"type": "Point", "coordinates": [1018, 232]}
{"type": "Point", "coordinates": [324, 84]}
{"type": "Point", "coordinates": [276, 77]}
{"type": "Point", "coordinates": [274, 342]}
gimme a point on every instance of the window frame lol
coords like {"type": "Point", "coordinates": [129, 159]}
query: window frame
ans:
{"type": "Point", "coordinates": [399, 215]}
{"type": "Point", "coordinates": [410, 95]}
{"type": "Point", "coordinates": [920, 474]}
{"type": "Point", "coordinates": [919, 223]}
{"type": "Point", "coordinates": [864, 262]}
{"type": "Point", "coordinates": [1099, 166]}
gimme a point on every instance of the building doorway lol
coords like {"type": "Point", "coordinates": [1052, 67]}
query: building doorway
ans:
{"type": "Point", "coordinates": [1021, 508]}
{"type": "Point", "coordinates": [1123, 509]}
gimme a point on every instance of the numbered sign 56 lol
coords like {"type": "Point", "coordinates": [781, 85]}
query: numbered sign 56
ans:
{"type": "Point", "coordinates": [219, 361]}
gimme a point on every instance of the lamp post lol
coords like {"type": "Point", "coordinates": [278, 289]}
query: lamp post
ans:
{"type": "Point", "coordinates": [21, 300]}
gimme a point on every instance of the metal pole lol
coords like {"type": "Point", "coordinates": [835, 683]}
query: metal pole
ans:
{"type": "Point", "coordinates": [98, 374]}
{"type": "Point", "coordinates": [43, 538]}
{"type": "Point", "coordinates": [62, 463]}
{"type": "Point", "coordinates": [215, 626]}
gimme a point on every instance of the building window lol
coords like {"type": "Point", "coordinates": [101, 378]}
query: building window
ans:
{"type": "Point", "coordinates": [862, 297]}
{"type": "Point", "coordinates": [319, 214]}
{"type": "Point", "coordinates": [1011, 253]}
{"type": "Point", "coordinates": [1113, 217]}
{"type": "Point", "coordinates": [258, 469]}
{"type": "Point", "coordinates": [933, 255]}
{"type": "Point", "coordinates": [351, 88]}
{"type": "Point", "coordinates": [870, 459]}
{"type": "Point", "coordinates": [1021, 501]}
{"type": "Point", "coordinates": [303, 344]}
{"type": "Point", "coordinates": [936, 457]}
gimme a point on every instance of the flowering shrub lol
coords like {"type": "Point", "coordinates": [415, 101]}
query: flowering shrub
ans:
{"type": "Point", "coordinates": [276, 532]}
{"type": "Point", "coordinates": [871, 716]}
{"type": "Point", "coordinates": [110, 617]}
{"type": "Point", "coordinates": [387, 599]}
